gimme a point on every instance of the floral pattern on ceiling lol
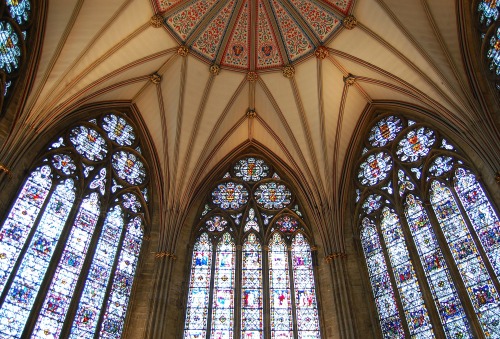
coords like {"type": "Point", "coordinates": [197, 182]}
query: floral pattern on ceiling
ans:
{"type": "Point", "coordinates": [220, 32]}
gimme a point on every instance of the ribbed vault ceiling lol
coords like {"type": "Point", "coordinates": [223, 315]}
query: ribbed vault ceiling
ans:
{"type": "Point", "coordinates": [96, 51]}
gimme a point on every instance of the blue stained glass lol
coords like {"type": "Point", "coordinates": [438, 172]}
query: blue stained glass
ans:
{"type": "Point", "coordinates": [223, 295]}
{"type": "Point", "coordinates": [10, 51]}
{"type": "Point", "coordinates": [484, 297]}
{"type": "Point", "coordinates": [251, 169]}
{"type": "Point", "coordinates": [251, 222]}
{"type": "Point", "coordinates": [56, 304]}
{"type": "Point", "coordinates": [385, 131]}
{"type": "Point", "coordinates": [251, 289]}
{"type": "Point", "coordinates": [481, 214]}
{"type": "Point", "coordinates": [216, 223]}
{"type": "Point", "coordinates": [89, 143]}
{"type": "Point", "coordinates": [279, 289]}
{"type": "Point", "coordinates": [441, 165]}
{"type": "Point", "coordinates": [404, 183]}
{"type": "Point", "coordinates": [382, 288]}
{"type": "Point", "coordinates": [493, 53]}
{"type": "Point", "coordinates": [99, 181]}
{"type": "Point", "coordinates": [416, 144]}
{"type": "Point", "coordinates": [199, 289]}
{"type": "Point", "coordinates": [24, 289]}
{"type": "Point", "coordinates": [119, 130]}
{"type": "Point", "coordinates": [488, 10]}
{"type": "Point", "coordinates": [230, 195]}
{"type": "Point", "coordinates": [94, 292]}
{"type": "Point", "coordinates": [405, 277]}
{"type": "Point", "coordinates": [21, 218]}
{"type": "Point", "coordinates": [19, 10]}
{"type": "Point", "coordinates": [287, 224]}
{"type": "Point", "coordinates": [436, 270]}
{"type": "Point", "coordinates": [129, 167]}
{"type": "Point", "coordinates": [116, 308]}
{"type": "Point", "coordinates": [305, 293]}
{"type": "Point", "coordinates": [273, 195]}
{"type": "Point", "coordinates": [375, 168]}
{"type": "Point", "coordinates": [371, 203]}
{"type": "Point", "coordinates": [64, 163]}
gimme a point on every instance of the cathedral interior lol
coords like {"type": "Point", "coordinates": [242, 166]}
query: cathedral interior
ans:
{"type": "Point", "coordinates": [249, 169]}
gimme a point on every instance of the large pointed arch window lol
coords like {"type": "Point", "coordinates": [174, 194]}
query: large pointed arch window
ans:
{"type": "Point", "coordinates": [429, 233]}
{"type": "Point", "coordinates": [252, 272]}
{"type": "Point", "coordinates": [69, 246]}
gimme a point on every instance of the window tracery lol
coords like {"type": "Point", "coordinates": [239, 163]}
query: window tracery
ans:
{"type": "Point", "coordinates": [489, 28]}
{"type": "Point", "coordinates": [251, 270]}
{"type": "Point", "coordinates": [69, 246]}
{"type": "Point", "coordinates": [429, 203]}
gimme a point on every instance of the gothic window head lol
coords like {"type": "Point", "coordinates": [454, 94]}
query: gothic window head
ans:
{"type": "Point", "coordinates": [70, 243]}
{"type": "Point", "coordinates": [426, 227]}
{"type": "Point", "coordinates": [252, 272]}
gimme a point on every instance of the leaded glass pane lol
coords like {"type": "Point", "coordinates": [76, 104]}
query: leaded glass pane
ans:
{"type": "Point", "coordinates": [493, 53]}
{"type": "Point", "coordinates": [223, 295]}
{"type": "Point", "coordinates": [441, 165]}
{"type": "Point", "coordinates": [374, 169]}
{"type": "Point", "coordinates": [436, 270]}
{"type": "Point", "coordinates": [68, 270]}
{"type": "Point", "coordinates": [287, 224]}
{"type": "Point", "coordinates": [252, 322]}
{"type": "Point", "coordinates": [88, 143]}
{"type": "Point", "coordinates": [10, 50]}
{"type": "Point", "coordinates": [230, 195]}
{"type": "Point", "coordinates": [382, 288]}
{"type": "Point", "coordinates": [273, 195]}
{"type": "Point", "coordinates": [216, 223]}
{"type": "Point", "coordinates": [251, 169]}
{"type": "Point", "coordinates": [19, 10]}
{"type": "Point", "coordinates": [129, 167]}
{"type": "Point", "coordinates": [119, 130]}
{"type": "Point", "coordinates": [116, 308]}
{"type": "Point", "coordinates": [481, 214]}
{"type": "Point", "coordinates": [199, 289]}
{"type": "Point", "coordinates": [416, 144]}
{"type": "Point", "coordinates": [25, 287]}
{"type": "Point", "coordinates": [21, 219]}
{"type": "Point", "coordinates": [94, 291]}
{"type": "Point", "coordinates": [404, 274]}
{"type": "Point", "coordinates": [251, 222]}
{"type": "Point", "coordinates": [476, 278]}
{"type": "Point", "coordinates": [385, 131]}
{"type": "Point", "coordinates": [279, 289]}
{"type": "Point", "coordinates": [371, 203]}
{"type": "Point", "coordinates": [305, 293]}
{"type": "Point", "coordinates": [488, 10]}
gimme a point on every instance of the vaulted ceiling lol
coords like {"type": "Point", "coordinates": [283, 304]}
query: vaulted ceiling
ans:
{"type": "Point", "coordinates": [196, 112]}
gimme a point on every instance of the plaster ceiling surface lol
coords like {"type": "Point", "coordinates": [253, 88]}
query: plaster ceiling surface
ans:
{"type": "Point", "coordinates": [405, 51]}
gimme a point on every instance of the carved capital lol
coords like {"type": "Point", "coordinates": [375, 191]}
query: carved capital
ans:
{"type": "Point", "coordinates": [215, 69]}
{"type": "Point", "coordinates": [288, 71]}
{"type": "Point", "coordinates": [183, 51]}
{"type": "Point", "coordinates": [162, 255]}
{"type": "Point", "coordinates": [252, 76]}
{"type": "Point", "coordinates": [156, 21]}
{"type": "Point", "coordinates": [349, 22]}
{"type": "Point", "coordinates": [335, 255]}
{"type": "Point", "coordinates": [321, 52]}
{"type": "Point", "coordinates": [155, 78]}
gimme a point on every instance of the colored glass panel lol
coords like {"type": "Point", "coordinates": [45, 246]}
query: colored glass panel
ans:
{"type": "Point", "coordinates": [251, 169]}
{"type": "Point", "coordinates": [26, 284]}
{"type": "Point", "coordinates": [493, 53]}
{"type": "Point", "coordinates": [89, 143]}
{"type": "Point", "coordinates": [374, 169]}
{"type": "Point", "coordinates": [481, 214]}
{"type": "Point", "coordinates": [10, 50]}
{"type": "Point", "coordinates": [382, 288]}
{"type": "Point", "coordinates": [436, 270]}
{"type": "Point", "coordinates": [484, 296]}
{"type": "Point", "coordinates": [199, 289]}
{"type": "Point", "coordinates": [287, 224]}
{"type": "Point", "coordinates": [19, 10]}
{"type": "Point", "coordinates": [385, 131]}
{"type": "Point", "coordinates": [119, 130]}
{"type": "Point", "coordinates": [404, 183]}
{"type": "Point", "coordinates": [21, 219]}
{"type": "Point", "coordinates": [251, 222]}
{"type": "Point", "coordinates": [306, 305]}
{"type": "Point", "coordinates": [56, 304]}
{"type": "Point", "coordinates": [252, 323]}
{"type": "Point", "coordinates": [488, 10]}
{"type": "Point", "coordinates": [416, 144]}
{"type": "Point", "coordinates": [223, 290]}
{"type": "Point", "coordinates": [116, 308]}
{"type": "Point", "coordinates": [273, 195]}
{"type": "Point", "coordinates": [372, 203]}
{"type": "Point", "coordinates": [129, 167]}
{"type": "Point", "coordinates": [230, 195]}
{"type": "Point", "coordinates": [94, 291]}
{"type": "Point", "coordinates": [279, 289]}
{"type": "Point", "coordinates": [64, 163]}
{"type": "Point", "coordinates": [216, 223]}
{"type": "Point", "coordinates": [414, 308]}
{"type": "Point", "coordinates": [441, 165]}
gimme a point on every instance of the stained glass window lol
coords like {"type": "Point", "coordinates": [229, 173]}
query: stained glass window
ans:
{"type": "Point", "coordinates": [251, 237]}
{"type": "Point", "coordinates": [66, 215]}
{"type": "Point", "coordinates": [455, 236]}
{"type": "Point", "coordinates": [489, 30]}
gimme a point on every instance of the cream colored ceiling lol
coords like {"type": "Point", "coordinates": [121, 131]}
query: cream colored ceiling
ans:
{"type": "Point", "coordinates": [97, 51]}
